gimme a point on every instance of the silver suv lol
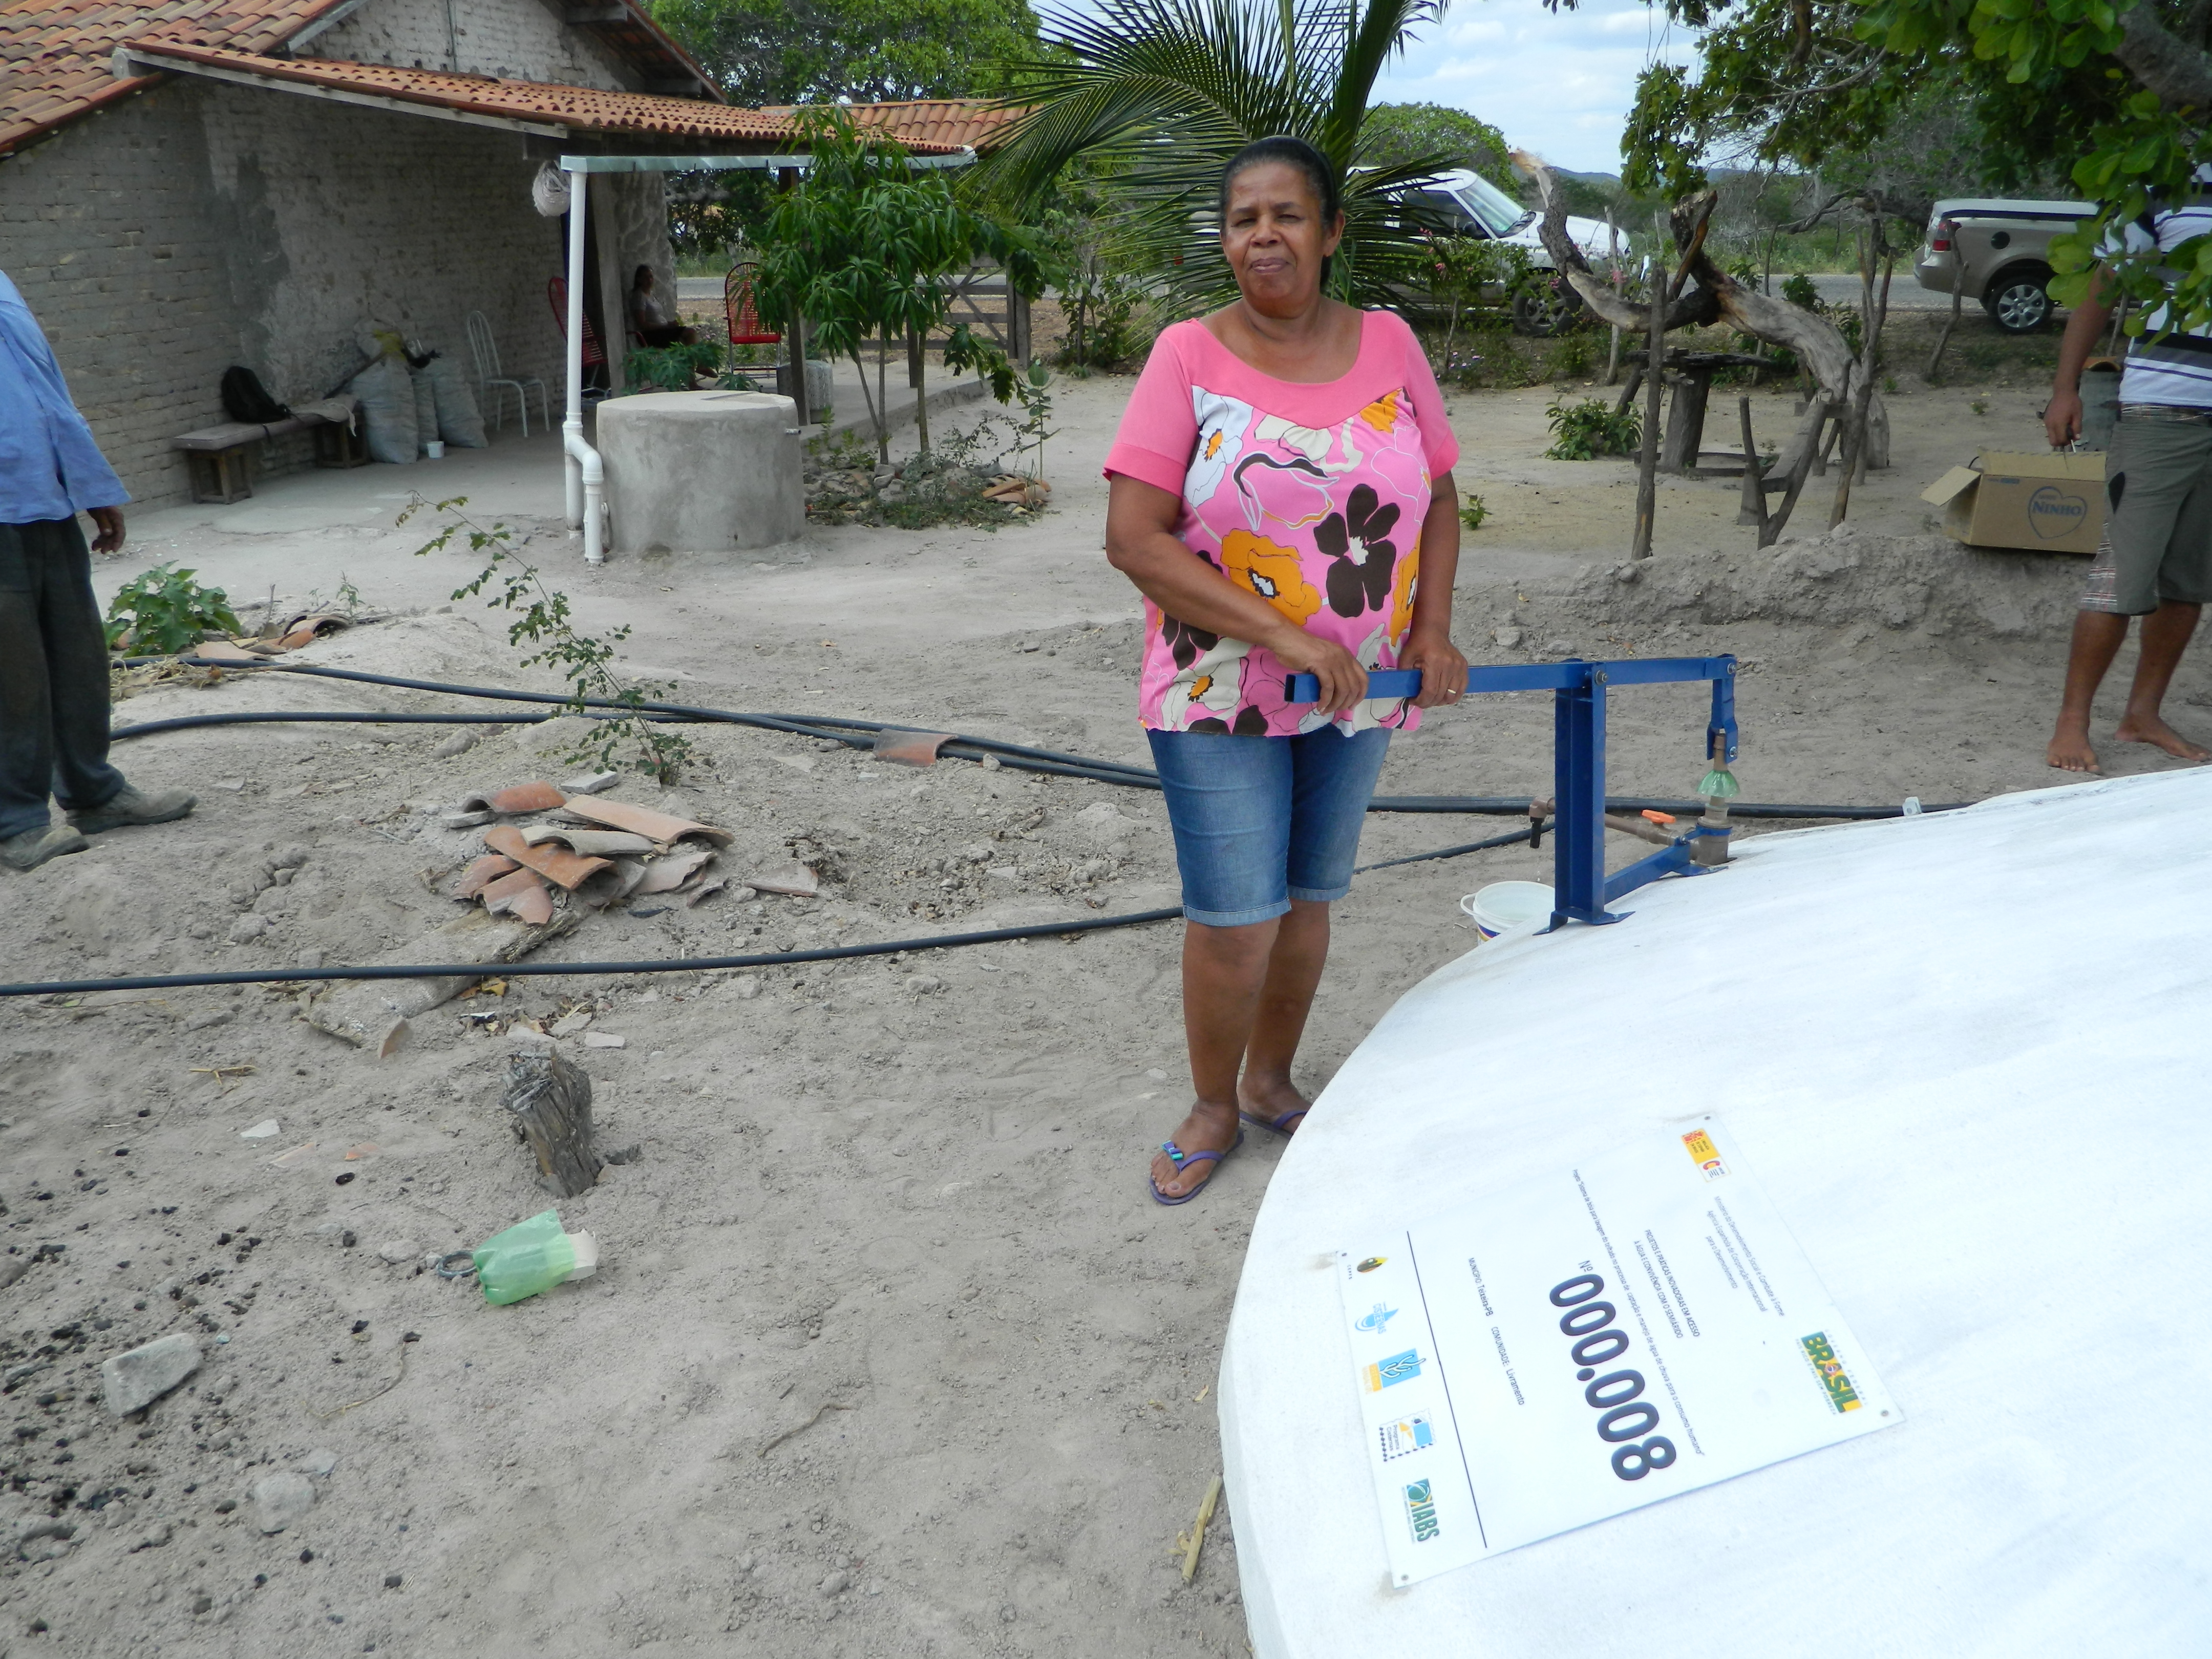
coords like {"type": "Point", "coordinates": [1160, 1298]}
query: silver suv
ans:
{"type": "Point", "coordinates": [1998, 252]}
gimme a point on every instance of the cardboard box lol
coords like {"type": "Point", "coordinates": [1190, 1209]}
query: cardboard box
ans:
{"type": "Point", "coordinates": [2049, 503]}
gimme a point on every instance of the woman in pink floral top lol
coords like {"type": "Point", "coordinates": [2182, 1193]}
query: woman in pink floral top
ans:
{"type": "Point", "coordinates": [1281, 493]}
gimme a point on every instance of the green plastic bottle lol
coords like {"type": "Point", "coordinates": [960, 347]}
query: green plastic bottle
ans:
{"type": "Point", "coordinates": [532, 1256]}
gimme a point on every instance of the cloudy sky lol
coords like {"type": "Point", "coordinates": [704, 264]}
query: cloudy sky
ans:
{"type": "Point", "coordinates": [1559, 84]}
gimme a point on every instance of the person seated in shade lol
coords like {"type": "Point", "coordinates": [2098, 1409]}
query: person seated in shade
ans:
{"type": "Point", "coordinates": [53, 651]}
{"type": "Point", "coordinates": [651, 318]}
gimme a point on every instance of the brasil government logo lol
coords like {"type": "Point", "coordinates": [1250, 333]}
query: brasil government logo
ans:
{"type": "Point", "coordinates": [1421, 1511]}
{"type": "Point", "coordinates": [1705, 1154]}
{"type": "Point", "coordinates": [1842, 1397]}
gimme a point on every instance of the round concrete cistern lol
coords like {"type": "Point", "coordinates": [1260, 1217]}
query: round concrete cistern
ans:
{"type": "Point", "coordinates": [702, 471]}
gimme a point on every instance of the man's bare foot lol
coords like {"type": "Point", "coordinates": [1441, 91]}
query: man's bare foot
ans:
{"type": "Point", "coordinates": [2069, 750]}
{"type": "Point", "coordinates": [2150, 729]}
{"type": "Point", "coordinates": [1268, 1100]}
{"type": "Point", "coordinates": [1209, 1128]}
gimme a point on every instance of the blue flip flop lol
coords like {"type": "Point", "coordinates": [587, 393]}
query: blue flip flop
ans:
{"type": "Point", "coordinates": [1181, 1159]}
{"type": "Point", "coordinates": [1278, 1126]}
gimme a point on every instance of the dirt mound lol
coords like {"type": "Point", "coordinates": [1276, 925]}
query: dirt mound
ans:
{"type": "Point", "coordinates": [1845, 577]}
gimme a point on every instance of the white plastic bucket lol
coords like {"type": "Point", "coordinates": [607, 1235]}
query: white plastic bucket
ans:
{"type": "Point", "coordinates": [1505, 904]}
{"type": "Point", "coordinates": [434, 449]}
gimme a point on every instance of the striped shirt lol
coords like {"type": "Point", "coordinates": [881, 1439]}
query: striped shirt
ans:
{"type": "Point", "coordinates": [2178, 369]}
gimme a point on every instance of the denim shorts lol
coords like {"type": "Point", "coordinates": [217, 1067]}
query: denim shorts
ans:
{"type": "Point", "coordinates": [1260, 821]}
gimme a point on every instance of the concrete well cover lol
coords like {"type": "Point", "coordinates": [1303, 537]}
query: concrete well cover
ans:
{"type": "Point", "coordinates": [702, 471]}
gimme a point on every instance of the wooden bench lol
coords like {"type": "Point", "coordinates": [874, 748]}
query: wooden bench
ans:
{"type": "Point", "coordinates": [220, 456]}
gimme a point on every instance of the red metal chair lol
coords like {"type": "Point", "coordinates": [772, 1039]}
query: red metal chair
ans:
{"type": "Point", "coordinates": [557, 295]}
{"type": "Point", "coordinates": [738, 307]}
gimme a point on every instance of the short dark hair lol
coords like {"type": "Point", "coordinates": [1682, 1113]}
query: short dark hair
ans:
{"type": "Point", "coordinates": [644, 276]}
{"type": "Point", "coordinates": [1291, 152]}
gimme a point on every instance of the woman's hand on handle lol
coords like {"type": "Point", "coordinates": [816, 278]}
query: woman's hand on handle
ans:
{"type": "Point", "coordinates": [1443, 668]}
{"type": "Point", "coordinates": [1343, 681]}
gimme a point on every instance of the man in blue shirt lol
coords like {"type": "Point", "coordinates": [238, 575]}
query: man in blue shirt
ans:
{"type": "Point", "coordinates": [53, 652]}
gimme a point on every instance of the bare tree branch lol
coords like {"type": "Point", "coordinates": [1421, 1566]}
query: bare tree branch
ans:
{"type": "Point", "coordinates": [2177, 70]}
{"type": "Point", "coordinates": [1716, 297]}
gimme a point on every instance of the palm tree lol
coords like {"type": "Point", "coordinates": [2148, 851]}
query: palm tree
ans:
{"type": "Point", "coordinates": [1160, 93]}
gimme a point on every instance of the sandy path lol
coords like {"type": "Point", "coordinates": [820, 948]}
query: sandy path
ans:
{"type": "Point", "coordinates": [899, 1202]}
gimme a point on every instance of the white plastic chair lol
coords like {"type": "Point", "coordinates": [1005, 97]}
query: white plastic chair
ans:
{"type": "Point", "coordinates": [485, 349]}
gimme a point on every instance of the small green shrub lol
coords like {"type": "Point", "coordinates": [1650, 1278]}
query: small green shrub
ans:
{"type": "Point", "coordinates": [673, 369]}
{"type": "Point", "coordinates": [1800, 292]}
{"type": "Point", "coordinates": [164, 612]}
{"type": "Point", "coordinates": [1592, 428]}
{"type": "Point", "coordinates": [1571, 358]}
{"type": "Point", "coordinates": [1471, 511]}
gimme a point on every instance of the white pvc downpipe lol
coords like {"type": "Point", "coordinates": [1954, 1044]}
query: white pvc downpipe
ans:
{"type": "Point", "coordinates": [586, 475]}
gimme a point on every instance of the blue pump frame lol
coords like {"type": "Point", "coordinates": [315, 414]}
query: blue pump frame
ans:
{"type": "Point", "coordinates": [1581, 888]}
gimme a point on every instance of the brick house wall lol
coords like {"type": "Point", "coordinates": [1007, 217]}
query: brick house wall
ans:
{"type": "Point", "coordinates": [203, 224]}
{"type": "Point", "coordinates": [512, 39]}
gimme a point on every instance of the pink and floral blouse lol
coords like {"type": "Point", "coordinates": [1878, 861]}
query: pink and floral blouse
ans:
{"type": "Point", "coordinates": [1309, 496]}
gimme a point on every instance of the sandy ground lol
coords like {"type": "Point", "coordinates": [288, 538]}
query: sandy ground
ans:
{"type": "Point", "coordinates": [889, 1354]}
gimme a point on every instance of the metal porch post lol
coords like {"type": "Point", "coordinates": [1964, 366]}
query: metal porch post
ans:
{"type": "Point", "coordinates": [1578, 788]}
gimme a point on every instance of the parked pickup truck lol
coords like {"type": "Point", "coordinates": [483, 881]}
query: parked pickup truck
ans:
{"type": "Point", "coordinates": [1997, 252]}
{"type": "Point", "coordinates": [1473, 206]}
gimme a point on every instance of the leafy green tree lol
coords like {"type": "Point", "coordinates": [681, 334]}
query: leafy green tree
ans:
{"type": "Point", "coordinates": [1415, 132]}
{"type": "Point", "coordinates": [867, 247]}
{"type": "Point", "coordinates": [2115, 95]}
{"type": "Point", "coordinates": [861, 52]}
{"type": "Point", "coordinates": [1161, 93]}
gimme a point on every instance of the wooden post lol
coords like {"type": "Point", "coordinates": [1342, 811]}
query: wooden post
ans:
{"type": "Point", "coordinates": [1943, 339]}
{"type": "Point", "coordinates": [1647, 459]}
{"type": "Point", "coordinates": [551, 1100]}
{"type": "Point", "coordinates": [1686, 421]}
{"type": "Point", "coordinates": [1017, 325]}
{"type": "Point", "coordinates": [917, 377]}
{"type": "Point", "coordinates": [1854, 446]}
{"type": "Point", "coordinates": [1770, 532]}
{"type": "Point", "coordinates": [1753, 510]}
{"type": "Point", "coordinates": [1612, 274]}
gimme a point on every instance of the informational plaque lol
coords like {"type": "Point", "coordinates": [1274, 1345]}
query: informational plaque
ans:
{"type": "Point", "coordinates": [1562, 1350]}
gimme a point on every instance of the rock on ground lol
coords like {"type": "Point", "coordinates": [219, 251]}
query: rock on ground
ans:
{"type": "Point", "coordinates": [134, 1380]}
{"type": "Point", "coordinates": [281, 1499]}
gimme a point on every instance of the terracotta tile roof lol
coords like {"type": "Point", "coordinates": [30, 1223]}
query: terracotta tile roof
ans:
{"type": "Point", "coordinates": [54, 53]}
{"type": "Point", "coordinates": [580, 109]}
{"type": "Point", "coordinates": [926, 123]}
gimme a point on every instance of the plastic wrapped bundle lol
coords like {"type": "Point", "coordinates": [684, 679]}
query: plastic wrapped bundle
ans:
{"type": "Point", "coordinates": [426, 408]}
{"type": "Point", "coordinates": [387, 410]}
{"type": "Point", "coordinates": [460, 422]}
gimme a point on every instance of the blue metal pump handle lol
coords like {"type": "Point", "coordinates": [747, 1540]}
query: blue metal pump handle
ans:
{"type": "Point", "coordinates": [1381, 683]}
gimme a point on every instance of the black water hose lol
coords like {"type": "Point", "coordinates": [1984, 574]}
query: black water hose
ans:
{"type": "Point", "coordinates": [1043, 760]}
{"type": "Point", "coordinates": [841, 729]}
{"type": "Point", "coordinates": [544, 969]}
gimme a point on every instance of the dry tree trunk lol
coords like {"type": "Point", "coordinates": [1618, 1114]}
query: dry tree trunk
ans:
{"type": "Point", "coordinates": [551, 1100]}
{"type": "Point", "coordinates": [1716, 297]}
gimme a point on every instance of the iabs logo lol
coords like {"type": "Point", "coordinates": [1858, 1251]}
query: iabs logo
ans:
{"type": "Point", "coordinates": [1421, 1511]}
{"type": "Point", "coordinates": [1842, 1397]}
